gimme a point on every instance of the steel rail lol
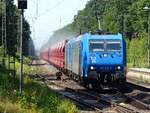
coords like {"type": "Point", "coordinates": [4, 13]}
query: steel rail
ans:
{"type": "Point", "coordinates": [76, 95]}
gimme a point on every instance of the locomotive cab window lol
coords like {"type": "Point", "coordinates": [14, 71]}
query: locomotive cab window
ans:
{"type": "Point", "coordinates": [113, 46]}
{"type": "Point", "coordinates": [96, 45]}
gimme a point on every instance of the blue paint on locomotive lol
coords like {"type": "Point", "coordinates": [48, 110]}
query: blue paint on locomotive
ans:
{"type": "Point", "coordinates": [69, 55]}
{"type": "Point", "coordinates": [91, 55]}
{"type": "Point", "coordinates": [105, 58]}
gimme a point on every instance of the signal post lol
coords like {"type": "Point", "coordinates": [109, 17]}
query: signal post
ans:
{"type": "Point", "coordinates": [22, 4]}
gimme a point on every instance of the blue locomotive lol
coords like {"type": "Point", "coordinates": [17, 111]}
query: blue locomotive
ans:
{"type": "Point", "coordinates": [96, 59]}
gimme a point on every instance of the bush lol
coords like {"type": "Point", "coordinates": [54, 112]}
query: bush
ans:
{"type": "Point", "coordinates": [67, 107]}
{"type": "Point", "coordinates": [137, 51]}
{"type": "Point", "coordinates": [34, 98]}
{"type": "Point", "coordinates": [26, 60]}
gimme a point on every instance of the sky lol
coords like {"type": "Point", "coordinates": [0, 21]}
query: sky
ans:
{"type": "Point", "coordinates": [47, 16]}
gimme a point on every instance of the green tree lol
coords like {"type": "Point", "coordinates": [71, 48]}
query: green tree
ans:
{"type": "Point", "coordinates": [12, 34]}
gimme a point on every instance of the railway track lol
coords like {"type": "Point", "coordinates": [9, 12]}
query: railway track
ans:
{"type": "Point", "coordinates": [98, 102]}
{"type": "Point", "coordinates": [122, 109]}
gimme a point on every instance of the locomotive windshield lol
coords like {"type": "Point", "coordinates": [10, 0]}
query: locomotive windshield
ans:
{"type": "Point", "coordinates": [96, 46]}
{"type": "Point", "coordinates": [113, 46]}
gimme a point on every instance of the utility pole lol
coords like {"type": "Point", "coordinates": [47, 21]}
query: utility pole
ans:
{"type": "Point", "coordinates": [22, 4]}
{"type": "Point", "coordinates": [37, 7]}
{"type": "Point", "coordinates": [124, 24]}
{"type": "Point", "coordinates": [149, 38]}
{"type": "Point", "coordinates": [97, 16]}
{"type": "Point", "coordinates": [79, 26]}
{"type": "Point", "coordinates": [2, 22]}
{"type": "Point", "coordinates": [4, 40]}
{"type": "Point", "coordinates": [148, 44]}
{"type": "Point", "coordinates": [21, 54]}
{"type": "Point", "coordinates": [18, 33]}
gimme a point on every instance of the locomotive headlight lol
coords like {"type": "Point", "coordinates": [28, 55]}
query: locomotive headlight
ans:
{"type": "Point", "coordinates": [92, 68]}
{"type": "Point", "coordinates": [105, 55]}
{"type": "Point", "coordinates": [118, 67]}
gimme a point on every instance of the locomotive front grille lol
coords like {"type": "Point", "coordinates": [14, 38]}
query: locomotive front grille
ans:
{"type": "Point", "coordinates": [105, 68]}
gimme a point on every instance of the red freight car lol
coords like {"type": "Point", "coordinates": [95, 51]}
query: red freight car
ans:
{"type": "Point", "coordinates": [57, 55]}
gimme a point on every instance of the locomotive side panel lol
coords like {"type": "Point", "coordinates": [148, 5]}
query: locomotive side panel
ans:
{"type": "Point", "coordinates": [70, 56]}
{"type": "Point", "coordinates": [76, 58]}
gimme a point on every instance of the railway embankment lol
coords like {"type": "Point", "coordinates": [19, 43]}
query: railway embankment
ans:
{"type": "Point", "coordinates": [139, 76]}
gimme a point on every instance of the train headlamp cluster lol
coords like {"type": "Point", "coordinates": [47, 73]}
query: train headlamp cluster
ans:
{"type": "Point", "coordinates": [92, 68]}
{"type": "Point", "coordinates": [118, 67]}
{"type": "Point", "coordinates": [105, 55]}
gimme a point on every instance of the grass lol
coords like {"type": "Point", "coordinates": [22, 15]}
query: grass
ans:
{"type": "Point", "coordinates": [35, 98]}
{"type": "Point", "coordinates": [137, 51]}
{"type": "Point", "coordinates": [132, 65]}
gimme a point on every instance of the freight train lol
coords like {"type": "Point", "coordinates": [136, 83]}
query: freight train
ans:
{"type": "Point", "coordinates": [91, 58]}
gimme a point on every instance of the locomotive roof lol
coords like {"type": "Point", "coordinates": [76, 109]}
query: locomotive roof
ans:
{"type": "Point", "coordinates": [95, 36]}
{"type": "Point", "coordinates": [104, 36]}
